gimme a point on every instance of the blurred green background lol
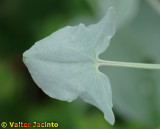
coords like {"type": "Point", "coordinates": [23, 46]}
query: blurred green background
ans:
{"type": "Point", "coordinates": [136, 93]}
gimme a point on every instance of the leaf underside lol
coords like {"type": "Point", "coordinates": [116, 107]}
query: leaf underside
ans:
{"type": "Point", "coordinates": [64, 64]}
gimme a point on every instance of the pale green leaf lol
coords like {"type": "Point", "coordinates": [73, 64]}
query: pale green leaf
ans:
{"type": "Point", "coordinates": [64, 64]}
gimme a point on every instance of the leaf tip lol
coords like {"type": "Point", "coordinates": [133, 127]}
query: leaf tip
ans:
{"type": "Point", "coordinates": [110, 118]}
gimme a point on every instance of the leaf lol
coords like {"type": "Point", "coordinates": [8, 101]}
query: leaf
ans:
{"type": "Point", "coordinates": [64, 64]}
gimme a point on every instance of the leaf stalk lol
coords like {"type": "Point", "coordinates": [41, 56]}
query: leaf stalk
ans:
{"type": "Point", "coordinates": [128, 64]}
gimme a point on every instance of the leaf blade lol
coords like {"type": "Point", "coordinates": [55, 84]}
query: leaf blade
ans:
{"type": "Point", "coordinates": [64, 64]}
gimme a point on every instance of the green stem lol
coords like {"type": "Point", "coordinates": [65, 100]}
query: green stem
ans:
{"type": "Point", "coordinates": [129, 65]}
